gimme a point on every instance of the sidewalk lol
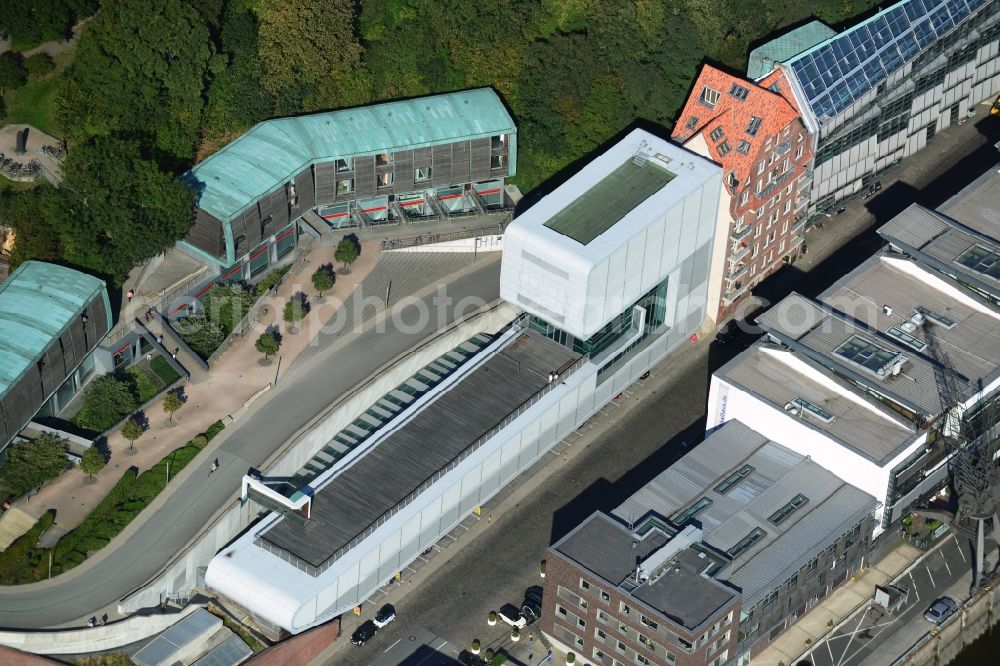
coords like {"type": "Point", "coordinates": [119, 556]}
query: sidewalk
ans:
{"type": "Point", "coordinates": [239, 374]}
{"type": "Point", "coordinates": [835, 608]}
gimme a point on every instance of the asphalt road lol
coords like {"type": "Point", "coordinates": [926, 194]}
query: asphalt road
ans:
{"type": "Point", "coordinates": [302, 395]}
{"type": "Point", "coordinates": [873, 638]}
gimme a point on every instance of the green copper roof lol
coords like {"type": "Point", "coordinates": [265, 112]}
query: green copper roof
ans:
{"type": "Point", "coordinates": [763, 58]}
{"type": "Point", "coordinates": [609, 200]}
{"type": "Point", "coordinates": [37, 301]}
{"type": "Point", "coordinates": [273, 151]}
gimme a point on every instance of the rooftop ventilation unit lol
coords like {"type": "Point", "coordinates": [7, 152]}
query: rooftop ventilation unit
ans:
{"type": "Point", "coordinates": [659, 561]}
{"type": "Point", "coordinates": [887, 310]}
{"type": "Point", "coordinates": [791, 408]}
{"type": "Point", "coordinates": [908, 326]}
{"type": "Point", "coordinates": [917, 319]}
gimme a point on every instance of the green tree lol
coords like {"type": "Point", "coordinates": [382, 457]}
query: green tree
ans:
{"type": "Point", "coordinates": [171, 403]}
{"type": "Point", "coordinates": [92, 462]}
{"type": "Point", "coordinates": [106, 401]}
{"type": "Point", "coordinates": [26, 212]}
{"type": "Point", "coordinates": [293, 67]}
{"type": "Point", "coordinates": [228, 304]}
{"type": "Point", "coordinates": [131, 430]}
{"type": "Point", "coordinates": [346, 252]}
{"type": "Point", "coordinates": [267, 344]}
{"type": "Point", "coordinates": [116, 208]}
{"type": "Point", "coordinates": [39, 65]}
{"type": "Point", "coordinates": [12, 71]}
{"type": "Point", "coordinates": [323, 279]}
{"type": "Point", "coordinates": [30, 464]}
{"type": "Point", "coordinates": [200, 333]}
{"type": "Point", "coordinates": [141, 70]}
{"type": "Point", "coordinates": [295, 310]}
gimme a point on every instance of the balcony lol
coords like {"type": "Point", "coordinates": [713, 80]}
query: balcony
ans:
{"type": "Point", "coordinates": [783, 147]}
{"type": "Point", "coordinates": [738, 253]}
{"type": "Point", "coordinates": [800, 222]}
{"type": "Point", "coordinates": [737, 272]}
{"type": "Point", "coordinates": [740, 233]}
{"type": "Point", "coordinates": [775, 184]}
{"type": "Point", "coordinates": [730, 295]}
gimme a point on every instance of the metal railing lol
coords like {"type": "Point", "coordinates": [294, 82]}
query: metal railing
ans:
{"type": "Point", "coordinates": [429, 238]}
{"type": "Point", "coordinates": [313, 570]}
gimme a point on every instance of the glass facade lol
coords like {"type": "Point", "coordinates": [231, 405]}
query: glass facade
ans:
{"type": "Point", "coordinates": [654, 303]}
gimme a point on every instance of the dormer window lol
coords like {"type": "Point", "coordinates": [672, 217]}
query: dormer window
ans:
{"type": "Point", "coordinates": [709, 97]}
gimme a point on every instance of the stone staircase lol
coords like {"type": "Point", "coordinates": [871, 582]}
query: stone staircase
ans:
{"type": "Point", "coordinates": [13, 524]}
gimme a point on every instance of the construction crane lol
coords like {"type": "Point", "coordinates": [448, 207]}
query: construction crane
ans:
{"type": "Point", "coordinates": [972, 466]}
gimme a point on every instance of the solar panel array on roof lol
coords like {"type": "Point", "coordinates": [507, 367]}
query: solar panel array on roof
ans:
{"type": "Point", "coordinates": [230, 652]}
{"type": "Point", "coordinates": [838, 72]}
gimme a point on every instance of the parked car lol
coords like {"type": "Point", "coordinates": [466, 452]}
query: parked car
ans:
{"type": "Point", "coordinates": [509, 614]}
{"type": "Point", "coordinates": [364, 633]}
{"type": "Point", "coordinates": [534, 593]}
{"type": "Point", "coordinates": [530, 610]}
{"type": "Point", "coordinates": [941, 610]}
{"type": "Point", "coordinates": [385, 615]}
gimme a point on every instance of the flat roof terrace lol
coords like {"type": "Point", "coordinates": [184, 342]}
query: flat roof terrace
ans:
{"type": "Point", "coordinates": [613, 197]}
{"type": "Point", "coordinates": [399, 465]}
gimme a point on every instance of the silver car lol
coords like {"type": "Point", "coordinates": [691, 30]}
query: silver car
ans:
{"type": "Point", "coordinates": [941, 610]}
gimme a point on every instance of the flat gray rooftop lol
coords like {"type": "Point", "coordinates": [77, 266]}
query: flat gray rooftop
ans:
{"type": "Point", "coordinates": [612, 198]}
{"type": "Point", "coordinates": [410, 455]}
{"type": "Point", "coordinates": [603, 546]}
{"type": "Point", "coordinates": [977, 206]}
{"type": "Point", "coordinates": [732, 512]}
{"type": "Point", "coordinates": [772, 373]}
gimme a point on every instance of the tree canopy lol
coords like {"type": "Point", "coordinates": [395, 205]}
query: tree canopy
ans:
{"type": "Point", "coordinates": [32, 463]}
{"type": "Point", "coordinates": [92, 461]}
{"type": "Point", "coordinates": [106, 401]}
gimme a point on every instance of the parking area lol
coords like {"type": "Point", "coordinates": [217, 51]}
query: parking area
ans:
{"type": "Point", "coordinates": [418, 647]}
{"type": "Point", "coordinates": [871, 637]}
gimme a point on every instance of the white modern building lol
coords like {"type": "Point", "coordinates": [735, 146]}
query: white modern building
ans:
{"type": "Point", "coordinates": [853, 378]}
{"type": "Point", "coordinates": [611, 270]}
{"type": "Point", "coordinates": [881, 90]}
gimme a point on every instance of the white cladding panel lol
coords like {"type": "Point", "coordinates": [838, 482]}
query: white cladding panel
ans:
{"type": "Point", "coordinates": [580, 288]}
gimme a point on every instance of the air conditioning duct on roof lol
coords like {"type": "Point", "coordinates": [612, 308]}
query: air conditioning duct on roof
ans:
{"type": "Point", "coordinates": [917, 318]}
{"type": "Point", "coordinates": [908, 326]}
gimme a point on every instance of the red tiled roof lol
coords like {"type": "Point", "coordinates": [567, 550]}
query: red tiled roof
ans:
{"type": "Point", "coordinates": [733, 115]}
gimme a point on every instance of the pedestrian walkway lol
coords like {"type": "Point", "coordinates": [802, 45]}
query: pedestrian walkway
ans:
{"type": "Point", "coordinates": [13, 523]}
{"type": "Point", "coordinates": [835, 608]}
{"type": "Point", "coordinates": [173, 346]}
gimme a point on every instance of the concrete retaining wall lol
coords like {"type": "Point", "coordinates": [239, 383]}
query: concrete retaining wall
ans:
{"type": "Point", "coordinates": [184, 573]}
{"type": "Point", "coordinates": [94, 639]}
{"type": "Point", "coordinates": [493, 243]}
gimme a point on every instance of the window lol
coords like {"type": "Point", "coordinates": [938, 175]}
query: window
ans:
{"type": "Point", "coordinates": [902, 336]}
{"type": "Point", "coordinates": [383, 159]}
{"type": "Point", "coordinates": [743, 147]}
{"type": "Point", "coordinates": [761, 167]}
{"type": "Point", "coordinates": [600, 635]}
{"type": "Point", "coordinates": [498, 142]}
{"type": "Point", "coordinates": [798, 153]}
{"type": "Point", "coordinates": [746, 542]}
{"type": "Point", "coordinates": [581, 623]}
{"type": "Point", "coordinates": [868, 355]}
{"type": "Point", "coordinates": [793, 581]}
{"type": "Point", "coordinates": [385, 179]}
{"type": "Point", "coordinates": [981, 260]}
{"type": "Point", "coordinates": [560, 610]}
{"type": "Point", "coordinates": [622, 627]}
{"type": "Point", "coordinates": [647, 642]}
{"type": "Point", "coordinates": [603, 617]}
{"type": "Point", "coordinates": [693, 510]}
{"type": "Point", "coordinates": [806, 408]}
{"type": "Point", "coordinates": [344, 165]}
{"type": "Point", "coordinates": [745, 197]}
{"type": "Point", "coordinates": [496, 161]}
{"type": "Point", "coordinates": [691, 123]}
{"type": "Point", "coordinates": [784, 512]}
{"type": "Point", "coordinates": [727, 483]}
{"type": "Point", "coordinates": [624, 608]}
{"type": "Point", "coordinates": [649, 623]}
{"type": "Point", "coordinates": [760, 211]}
{"type": "Point", "coordinates": [739, 92]}
{"type": "Point", "coordinates": [724, 149]}
{"type": "Point", "coordinates": [671, 657]}
{"type": "Point", "coordinates": [936, 318]}
{"type": "Point", "coordinates": [642, 661]}
{"type": "Point", "coordinates": [421, 174]}
{"type": "Point", "coordinates": [788, 207]}
{"type": "Point", "coordinates": [620, 647]}
{"type": "Point", "coordinates": [584, 585]}
{"type": "Point", "coordinates": [754, 125]}
{"type": "Point", "coordinates": [760, 186]}
{"type": "Point", "coordinates": [345, 186]}
{"type": "Point", "coordinates": [598, 655]}
{"type": "Point", "coordinates": [709, 97]}
{"type": "Point", "coordinates": [717, 134]}
{"type": "Point", "coordinates": [688, 647]}
{"type": "Point", "coordinates": [605, 597]}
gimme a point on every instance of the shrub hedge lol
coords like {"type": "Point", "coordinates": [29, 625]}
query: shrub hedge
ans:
{"type": "Point", "coordinates": [15, 561]}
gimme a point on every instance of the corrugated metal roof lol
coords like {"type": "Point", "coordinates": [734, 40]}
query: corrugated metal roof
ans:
{"type": "Point", "coordinates": [795, 315]}
{"type": "Point", "coordinates": [273, 151]}
{"type": "Point", "coordinates": [787, 46]}
{"type": "Point", "coordinates": [37, 301]}
{"type": "Point", "coordinates": [915, 226]}
{"type": "Point", "coordinates": [778, 475]}
{"type": "Point", "coordinates": [977, 205]}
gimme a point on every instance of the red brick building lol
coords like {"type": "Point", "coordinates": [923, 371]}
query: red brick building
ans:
{"type": "Point", "coordinates": [754, 131]}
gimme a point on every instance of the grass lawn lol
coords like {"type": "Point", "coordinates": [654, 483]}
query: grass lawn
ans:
{"type": "Point", "coordinates": [14, 186]}
{"type": "Point", "coordinates": [34, 104]}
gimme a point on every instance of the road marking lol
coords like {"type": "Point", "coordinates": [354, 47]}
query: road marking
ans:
{"type": "Point", "coordinates": [851, 639]}
{"type": "Point", "coordinates": [960, 551]}
{"type": "Point", "coordinates": [947, 567]}
{"type": "Point", "coordinates": [830, 650]}
{"type": "Point", "coordinates": [392, 646]}
{"type": "Point", "coordinates": [933, 584]}
{"type": "Point", "coordinates": [914, 583]}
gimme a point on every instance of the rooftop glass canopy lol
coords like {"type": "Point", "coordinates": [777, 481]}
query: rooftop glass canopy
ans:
{"type": "Point", "coordinates": [839, 71]}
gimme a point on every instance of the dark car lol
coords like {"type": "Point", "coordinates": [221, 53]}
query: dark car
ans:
{"type": "Point", "coordinates": [530, 610]}
{"type": "Point", "coordinates": [385, 615]}
{"type": "Point", "coordinates": [364, 633]}
{"type": "Point", "coordinates": [534, 593]}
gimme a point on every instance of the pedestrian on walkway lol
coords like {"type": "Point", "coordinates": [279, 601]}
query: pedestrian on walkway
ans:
{"type": "Point", "coordinates": [214, 467]}
{"type": "Point", "coordinates": [159, 339]}
{"type": "Point", "coordinates": [174, 352]}
{"type": "Point", "coordinates": [129, 295]}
